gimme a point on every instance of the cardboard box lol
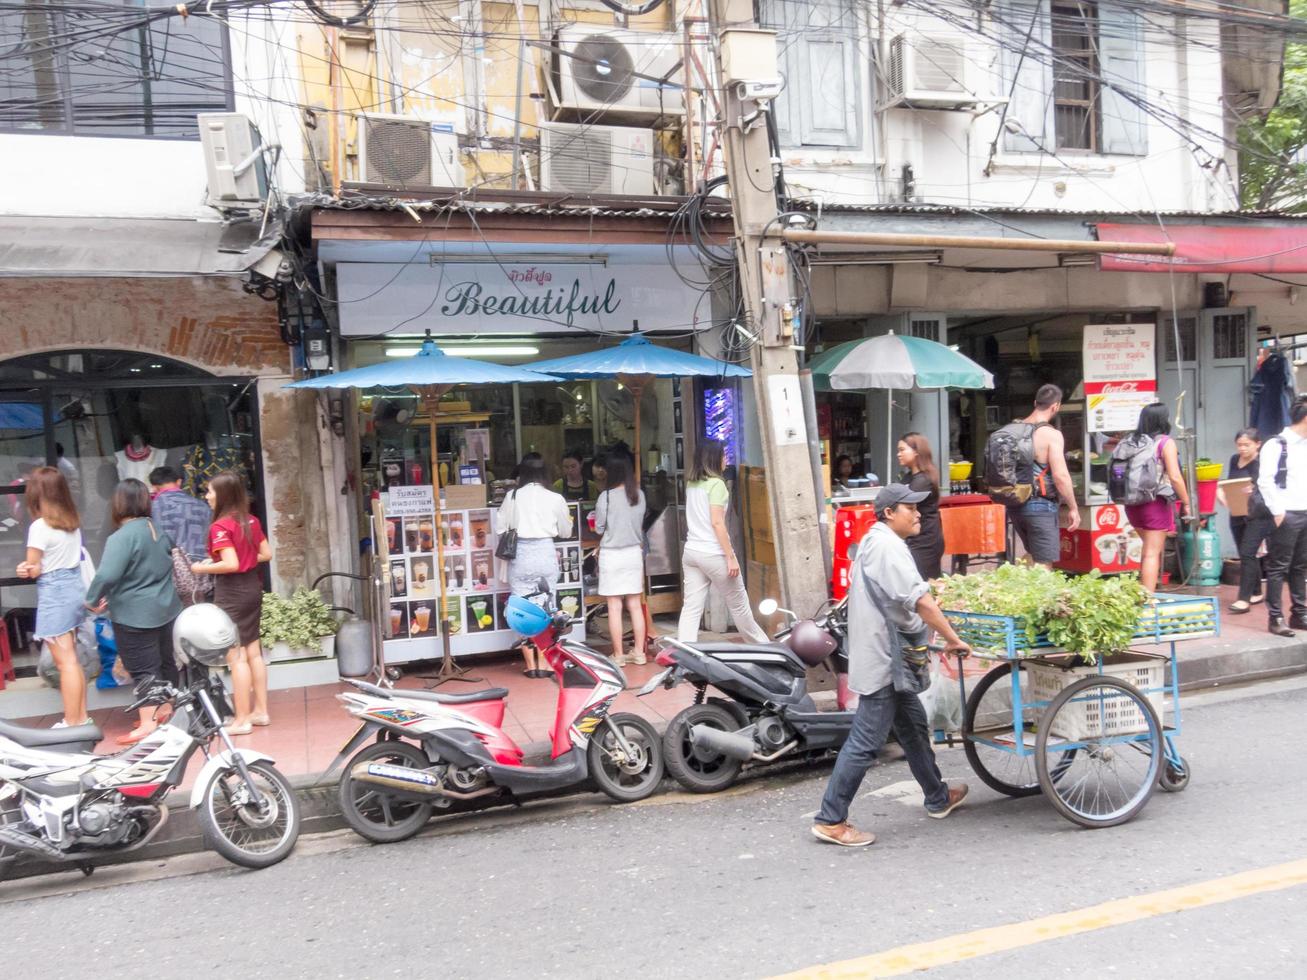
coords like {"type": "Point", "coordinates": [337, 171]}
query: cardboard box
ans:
{"type": "Point", "coordinates": [756, 511]}
{"type": "Point", "coordinates": [1236, 496]}
{"type": "Point", "coordinates": [468, 496]}
{"type": "Point", "coordinates": [763, 582]}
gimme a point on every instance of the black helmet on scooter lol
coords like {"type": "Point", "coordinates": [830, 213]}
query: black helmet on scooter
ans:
{"type": "Point", "coordinates": [203, 634]}
{"type": "Point", "coordinates": [810, 642]}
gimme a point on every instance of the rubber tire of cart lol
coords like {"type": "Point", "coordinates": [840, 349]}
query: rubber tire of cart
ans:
{"type": "Point", "coordinates": [1048, 780]}
{"type": "Point", "coordinates": [401, 753]}
{"type": "Point", "coordinates": [695, 774]}
{"type": "Point", "coordinates": [999, 673]}
{"type": "Point", "coordinates": [1171, 781]}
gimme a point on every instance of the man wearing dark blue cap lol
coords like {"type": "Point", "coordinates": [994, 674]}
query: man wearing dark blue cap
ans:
{"type": "Point", "coordinates": [890, 611]}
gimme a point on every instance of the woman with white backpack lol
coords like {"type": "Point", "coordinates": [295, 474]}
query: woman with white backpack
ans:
{"type": "Point", "coordinates": [1155, 519]}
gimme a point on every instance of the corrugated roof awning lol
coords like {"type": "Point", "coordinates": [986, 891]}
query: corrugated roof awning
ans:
{"type": "Point", "coordinates": [130, 247]}
{"type": "Point", "coordinates": [1211, 248]}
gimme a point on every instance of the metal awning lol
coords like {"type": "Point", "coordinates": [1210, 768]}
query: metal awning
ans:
{"type": "Point", "coordinates": [1261, 248]}
{"type": "Point", "coordinates": [130, 247]}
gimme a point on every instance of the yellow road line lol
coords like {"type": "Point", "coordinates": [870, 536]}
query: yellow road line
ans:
{"type": "Point", "coordinates": [985, 942]}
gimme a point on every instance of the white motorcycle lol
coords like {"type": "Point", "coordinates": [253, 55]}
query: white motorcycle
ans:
{"type": "Point", "coordinates": [61, 803]}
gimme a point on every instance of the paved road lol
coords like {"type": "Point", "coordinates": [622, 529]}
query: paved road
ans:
{"type": "Point", "coordinates": [733, 886]}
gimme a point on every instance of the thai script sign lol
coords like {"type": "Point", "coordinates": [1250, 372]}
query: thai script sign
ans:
{"type": "Point", "coordinates": [1120, 363]}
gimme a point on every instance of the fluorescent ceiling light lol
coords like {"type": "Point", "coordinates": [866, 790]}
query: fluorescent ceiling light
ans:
{"type": "Point", "coordinates": [487, 350]}
{"type": "Point", "coordinates": [878, 258]}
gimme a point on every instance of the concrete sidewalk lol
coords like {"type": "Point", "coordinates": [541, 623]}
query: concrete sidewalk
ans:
{"type": "Point", "coordinates": [309, 725]}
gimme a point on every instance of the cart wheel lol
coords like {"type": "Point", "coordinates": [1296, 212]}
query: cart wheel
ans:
{"type": "Point", "coordinates": [1175, 778]}
{"type": "Point", "coordinates": [989, 712]}
{"type": "Point", "coordinates": [1109, 778]}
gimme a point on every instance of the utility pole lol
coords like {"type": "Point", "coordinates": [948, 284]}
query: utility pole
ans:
{"type": "Point", "coordinates": [750, 80]}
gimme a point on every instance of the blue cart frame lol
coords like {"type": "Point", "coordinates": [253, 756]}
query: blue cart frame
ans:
{"type": "Point", "coordinates": [1168, 619]}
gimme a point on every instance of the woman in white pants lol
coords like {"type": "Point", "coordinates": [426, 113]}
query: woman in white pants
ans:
{"type": "Point", "coordinates": [709, 560]}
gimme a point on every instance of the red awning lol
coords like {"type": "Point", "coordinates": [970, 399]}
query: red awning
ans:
{"type": "Point", "coordinates": [1211, 248]}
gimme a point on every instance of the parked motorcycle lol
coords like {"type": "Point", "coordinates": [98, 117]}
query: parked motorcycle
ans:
{"type": "Point", "coordinates": [430, 749]}
{"type": "Point", "coordinates": [60, 802]}
{"type": "Point", "coordinates": [767, 713]}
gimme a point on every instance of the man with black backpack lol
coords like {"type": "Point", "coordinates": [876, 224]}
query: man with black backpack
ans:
{"type": "Point", "coordinates": [1025, 470]}
{"type": "Point", "coordinates": [1282, 491]}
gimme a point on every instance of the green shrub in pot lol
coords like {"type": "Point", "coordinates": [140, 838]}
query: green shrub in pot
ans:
{"type": "Point", "coordinates": [300, 621]}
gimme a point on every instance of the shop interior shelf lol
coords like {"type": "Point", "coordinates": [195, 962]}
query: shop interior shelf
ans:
{"type": "Point", "coordinates": [1167, 618]}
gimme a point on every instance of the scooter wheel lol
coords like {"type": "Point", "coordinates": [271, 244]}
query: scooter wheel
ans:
{"type": "Point", "coordinates": [633, 777]}
{"type": "Point", "coordinates": [373, 813]}
{"type": "Point", "coordinates": [694, 768]}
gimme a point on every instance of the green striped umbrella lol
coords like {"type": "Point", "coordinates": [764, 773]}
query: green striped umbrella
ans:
{"type": "Point", "coordinates": [896, 362]}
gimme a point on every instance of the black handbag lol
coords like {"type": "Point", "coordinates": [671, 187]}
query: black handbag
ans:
{"type": "Point", "coordinates": [506, 548]}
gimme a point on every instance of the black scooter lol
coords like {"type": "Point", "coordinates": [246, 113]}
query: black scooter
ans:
{"type": "Point", "coordinates": [767, 714]}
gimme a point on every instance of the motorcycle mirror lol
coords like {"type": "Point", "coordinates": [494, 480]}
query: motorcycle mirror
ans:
{"type": "Point", "coordinates": [768, 607]}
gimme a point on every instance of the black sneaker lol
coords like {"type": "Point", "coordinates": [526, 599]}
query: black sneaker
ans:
{"type": "Point", "coordinates": [1277, 626]}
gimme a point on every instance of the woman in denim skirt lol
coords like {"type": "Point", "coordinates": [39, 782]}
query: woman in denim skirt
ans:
{"type": "Point", "coordinates": [54, 558]}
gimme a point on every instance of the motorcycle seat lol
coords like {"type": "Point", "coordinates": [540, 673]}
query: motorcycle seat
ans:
{"type": "Point", "coordinates": [487, 694]}
{"type": "Point", "coordinates": [37, 738]}
{"type": "Point", "coordinates": [741, 651]}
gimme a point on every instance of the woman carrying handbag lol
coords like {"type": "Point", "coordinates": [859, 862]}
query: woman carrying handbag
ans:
{"type": "Point", "coordinates": [531, 517]}
{"type": "Point", "coordinates": [135, 585]}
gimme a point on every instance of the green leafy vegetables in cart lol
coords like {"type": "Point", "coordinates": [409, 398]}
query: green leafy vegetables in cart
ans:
{"type": "Point", "coordinates": [1087, 615]}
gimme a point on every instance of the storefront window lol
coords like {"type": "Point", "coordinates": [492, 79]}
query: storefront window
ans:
{"type": "Point", "coordinates": [100, 417]}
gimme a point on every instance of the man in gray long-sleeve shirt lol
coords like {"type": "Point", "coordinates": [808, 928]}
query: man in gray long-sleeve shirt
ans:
{"type": "Point", "coordinates": [890, 606]}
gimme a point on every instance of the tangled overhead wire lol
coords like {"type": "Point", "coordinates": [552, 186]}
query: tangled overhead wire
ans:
{"type": "Point", "coordinates": [331, 20]}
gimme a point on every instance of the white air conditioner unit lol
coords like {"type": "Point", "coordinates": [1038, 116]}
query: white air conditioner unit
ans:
{"type": "Point", "coordinates": [633, 74]}
{"type": "Point", "coordinates": [596, 159]}
{"type": "Point", "coordinates": [929, 73]}
{"type": "Point", "coordinates": [401, 151]}
{"type": "Point", "coordinates": [233, 161]}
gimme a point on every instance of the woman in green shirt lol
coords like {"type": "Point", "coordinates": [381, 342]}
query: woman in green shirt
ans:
{"type": "Point", "coordinates": [134, 583]}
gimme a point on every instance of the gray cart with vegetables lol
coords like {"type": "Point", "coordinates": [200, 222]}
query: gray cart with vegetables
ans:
{"type": "Point", "coordinates": [1095, 738]}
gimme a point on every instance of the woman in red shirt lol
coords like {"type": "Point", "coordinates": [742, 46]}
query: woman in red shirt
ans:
{"type": "Point", "coordinates": [237, 546]}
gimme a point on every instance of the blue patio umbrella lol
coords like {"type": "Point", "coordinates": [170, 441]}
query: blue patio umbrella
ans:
{"type": "Point", "coordinates": [635, 362]}
{"type": "Point", "coordinates": [430, 373]}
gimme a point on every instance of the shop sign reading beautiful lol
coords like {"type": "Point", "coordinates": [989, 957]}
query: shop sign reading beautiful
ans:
{"type": "Point", "coordinates": [508, 297]}
{"type": "Point", "coordinates": [1120, 374]}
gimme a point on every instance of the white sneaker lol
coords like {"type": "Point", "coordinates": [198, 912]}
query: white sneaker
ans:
{"type": "Point", "coordinates": [60, 724]}
{"type": "Point", "coordinates": [620, 660]}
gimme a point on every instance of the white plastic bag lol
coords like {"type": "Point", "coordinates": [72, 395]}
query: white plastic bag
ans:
{"type": "Point", "coordinates": [942, 701]}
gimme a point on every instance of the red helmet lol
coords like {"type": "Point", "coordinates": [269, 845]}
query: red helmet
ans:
{"type": "Point", "coordinates": [810, 642]}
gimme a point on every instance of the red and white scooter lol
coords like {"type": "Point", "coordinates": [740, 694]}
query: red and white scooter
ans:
{"type": "Point", "coordinates": [429, 749]}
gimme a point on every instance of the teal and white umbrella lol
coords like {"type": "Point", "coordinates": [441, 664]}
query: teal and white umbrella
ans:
{"type": "Point", "coordinates": [895, 363]}
{"type": "Point", "coordinates": [898, 363]}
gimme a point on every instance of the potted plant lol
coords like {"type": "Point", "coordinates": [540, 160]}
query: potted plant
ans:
{"type": "Point", "coordinates": [297, 628]}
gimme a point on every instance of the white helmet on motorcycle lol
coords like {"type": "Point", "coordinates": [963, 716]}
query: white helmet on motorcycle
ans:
{"type": "Point", "coordinates": [203, 634]}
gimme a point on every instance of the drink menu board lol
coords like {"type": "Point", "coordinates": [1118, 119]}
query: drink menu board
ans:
{"type": "Point", "coordinates": [476, 582]}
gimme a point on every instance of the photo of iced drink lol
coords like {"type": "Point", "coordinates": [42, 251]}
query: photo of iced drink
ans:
{"type": "Point", "coordinates": [411, 537]}
{"type": "Point", "coordinates": [392, 535]}
{"type": "Point", "coordinates": [422, 616]}
{"type": "Point", "coordinates": [570, 604]}
{"type": "Point", "coordinates": [396, 620]}
{"type": "Point", "coordinates": [398, 578]}
{"type": "Point", "coordinates": [456, 531]}
{"type": "Point", "coordinates": [426, 535]}
{"type": "Point", "coordinates": [421, 572]}
{"type": "Point", "coordinates": [480, 610]}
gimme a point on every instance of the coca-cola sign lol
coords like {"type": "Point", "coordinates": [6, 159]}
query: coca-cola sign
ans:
{"type": "Point", "coordinates": [1120, 362]}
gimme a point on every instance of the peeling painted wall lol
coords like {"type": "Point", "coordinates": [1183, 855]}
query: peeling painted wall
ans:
{"type": "Point", "coordinates": [211, 324]}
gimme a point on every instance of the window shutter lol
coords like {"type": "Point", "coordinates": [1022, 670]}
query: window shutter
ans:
{"type": "Point", "coordinates": [1030, 110]}
{"type": "Point", "coordinates": [1121, 63]}
{"type": "Point", "coordinates": [818, 55]}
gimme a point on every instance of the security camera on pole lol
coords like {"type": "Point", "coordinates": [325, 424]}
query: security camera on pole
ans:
{"type": "Point", "coordinates": [750, 80]}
